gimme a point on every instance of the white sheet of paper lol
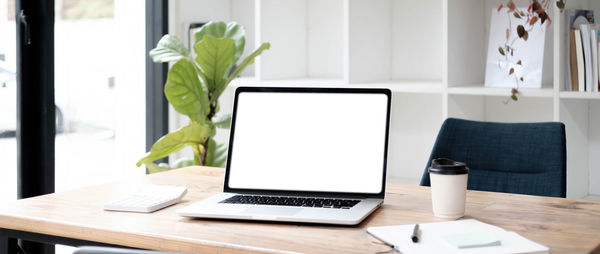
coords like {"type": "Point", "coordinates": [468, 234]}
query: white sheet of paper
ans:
{"type": "Point", "coordinates": [431, 240]}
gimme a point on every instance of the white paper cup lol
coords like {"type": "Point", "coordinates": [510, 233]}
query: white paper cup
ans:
{"type": "Point", "coordinates": [448, 188]}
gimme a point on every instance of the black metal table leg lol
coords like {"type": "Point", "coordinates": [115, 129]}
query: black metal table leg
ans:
{"type": "Point", "coordinates": [8, 245]}
{"type": "Point", "coordinates": [36, 243]}
{"type": "Point", "coordinates": [36, 247]}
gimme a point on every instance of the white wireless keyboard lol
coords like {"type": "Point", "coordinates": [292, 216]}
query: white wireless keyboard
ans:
{"type": "Point", "coordinates": [148, 198]}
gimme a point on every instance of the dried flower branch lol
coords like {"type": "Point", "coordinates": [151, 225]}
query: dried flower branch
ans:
{"type": "Point", "coordinates": [536, 12]}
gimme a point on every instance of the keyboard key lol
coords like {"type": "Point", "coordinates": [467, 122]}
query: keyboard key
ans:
{"type": "Point", "coordinates": [292, 201]}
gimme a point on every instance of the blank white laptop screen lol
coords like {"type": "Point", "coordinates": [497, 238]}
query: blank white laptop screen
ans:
{"type": "Point", "coordinates": [324, 142]}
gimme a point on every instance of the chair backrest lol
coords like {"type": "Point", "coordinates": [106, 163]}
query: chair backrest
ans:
{"type": "Point", "coordinates": [523, 158]}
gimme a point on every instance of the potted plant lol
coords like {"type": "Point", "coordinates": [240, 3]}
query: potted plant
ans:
{"type": "Point", "coordinates": [193, 88]}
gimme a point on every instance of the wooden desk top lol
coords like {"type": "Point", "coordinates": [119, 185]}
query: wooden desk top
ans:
{"type": "Point", "coordinates": [564, 225]}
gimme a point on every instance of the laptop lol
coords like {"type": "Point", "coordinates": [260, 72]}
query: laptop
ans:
{"type": "Point", "coordinates": [314, 155]}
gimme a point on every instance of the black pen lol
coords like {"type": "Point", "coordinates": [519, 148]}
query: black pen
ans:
{"type": "Point", "coordinates": [415, 234]}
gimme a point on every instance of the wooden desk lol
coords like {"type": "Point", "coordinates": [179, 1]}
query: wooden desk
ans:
{"type": "Point", "coordinates": [565, 225]}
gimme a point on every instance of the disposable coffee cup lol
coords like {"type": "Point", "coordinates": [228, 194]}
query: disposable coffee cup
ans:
{"type": "Point", "coordinates": [448, 187]}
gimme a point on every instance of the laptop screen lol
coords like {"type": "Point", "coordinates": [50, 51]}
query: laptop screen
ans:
{"type": "Point", "coordinates": [315, 141]}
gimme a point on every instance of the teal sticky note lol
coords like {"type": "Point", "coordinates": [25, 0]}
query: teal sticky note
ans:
{"type": "Point", "coordinates": [472, 239]}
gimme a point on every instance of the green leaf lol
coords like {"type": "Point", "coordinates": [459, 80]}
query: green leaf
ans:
{"type": "Point", "coordinates": [231, 30]}
{"type": "Point", "coordinates": [153, 168]}
{"type": "Point", "coordinates": [215, 57]}
{"type": "Point", "coordinates": [245, 63]}
{"type": "Point", "coordinates": [516, 14]}
{"type": "Point", "coordinates": [214, 28]}
{"type": "Point", "coordinates": [184, 162]}
{"type": "Point", "coordinates": [560, 4]}
{"type": "Point", "coordinates": [223, 122]}
{"type": "Point", "coordinates": [185, 92]}
{"type": "Point", "coordinates": [169, 48]}
{"type": "Point", "coordinates": [501, 51]}
{"type": "Point", "coordinates": [217, 154]}
{"type": "Point", "coordinates": [175, 141]}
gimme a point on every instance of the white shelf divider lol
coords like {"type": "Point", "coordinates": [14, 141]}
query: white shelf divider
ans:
{"type": "Point", "coordinates": [304, 82]}
{"type": "Point", "coordinates": [497, 91]}
{"type": "Point", "coordinates": [400, 86]}
{"type": "Point", "coordinates": [579, 95]}
{"type": "Point", "coordinates": [427, 87]}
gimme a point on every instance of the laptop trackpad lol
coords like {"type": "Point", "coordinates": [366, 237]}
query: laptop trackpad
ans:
{"type": "Point", "coordinates": [274, 211]}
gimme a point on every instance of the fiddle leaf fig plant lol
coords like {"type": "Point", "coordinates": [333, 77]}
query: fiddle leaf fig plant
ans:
{"type": "Point", "coordinates": [193, 88]}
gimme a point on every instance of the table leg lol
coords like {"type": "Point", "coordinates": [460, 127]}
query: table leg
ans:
{"type": "Point", "coordinates": [8, 245]}
{"type": "Point", "coordinates": [35, 247]}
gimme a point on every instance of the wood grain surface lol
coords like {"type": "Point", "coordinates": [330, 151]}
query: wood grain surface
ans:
{"type": "Point", "coordinates": [564, 225]}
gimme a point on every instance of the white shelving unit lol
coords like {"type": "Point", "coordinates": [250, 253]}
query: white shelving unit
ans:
{"type": "Point", "coordinates": [430, 53]}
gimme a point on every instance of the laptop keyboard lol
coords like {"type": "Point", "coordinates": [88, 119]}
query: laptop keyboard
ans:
{"type": "Point", "coordinates": [292, 201]}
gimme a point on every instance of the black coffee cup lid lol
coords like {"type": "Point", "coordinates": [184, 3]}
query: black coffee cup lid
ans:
{"type": "Point", "coordinates": [445, 166]}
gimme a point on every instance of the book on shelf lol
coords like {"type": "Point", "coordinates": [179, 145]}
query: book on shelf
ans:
{"type": "Point", "coordinates": [594, 49]}
{"type": "Point", "coordinates": [597, 86]}
{"type": "Point", "coordinates": [580, 85]}
{"type": "Point", "coordinates": [580, 51]}
{"type": "Point", "coordinates": [572, 70]}
{"type": "Point", "coordinates": [587, 56]}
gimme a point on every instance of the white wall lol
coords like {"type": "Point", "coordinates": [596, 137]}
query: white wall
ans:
{"type": "Point", "coordinates": [288, 53]}
{"type": "Point", "coordinates": [416, 120]}
{"type": "Point", "coordinates": [324, 38]}
{"type": "Point", "coordinates": [574, 113]}
{"type": "Point", "coordinates": [367, 40]}
{"type": "Point", "coordinates": [466, 45]}
{"type": "Point", "coordinates": [416, 40]}
{"type": "Point", "coordinates": [242, 11]}
{"type": "Point", "coordinates": [594, 146]}
{"type": "Point", "coordinates": [525, 110]}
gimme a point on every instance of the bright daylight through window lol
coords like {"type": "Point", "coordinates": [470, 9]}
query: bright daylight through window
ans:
{"type": "Point", "coordinates": [99, 89]}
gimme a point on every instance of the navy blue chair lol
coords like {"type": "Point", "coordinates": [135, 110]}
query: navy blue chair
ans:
{"type": "Point", "coordinates": [523, 158]}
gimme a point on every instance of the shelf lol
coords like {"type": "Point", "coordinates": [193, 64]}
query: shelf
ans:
{"type": "Point", "coordinates": [305, 82]}
{"type": "Point", "coordinates": [394, 85]}
{"type": "Point", "coordinates": [407, 86]}
{"type": "Point", "coordinates": [579, 95]}
{"type": "Point", "coordinates": [492, 91]}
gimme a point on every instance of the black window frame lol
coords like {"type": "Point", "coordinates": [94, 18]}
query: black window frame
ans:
{"type": "Point", "coordinates": [157, 114]}
{"type": "Point", "coordinates": [36, 126]}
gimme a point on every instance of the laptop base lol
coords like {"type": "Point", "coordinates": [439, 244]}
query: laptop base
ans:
{"type": "Point", "coordinates": [213, 208]}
